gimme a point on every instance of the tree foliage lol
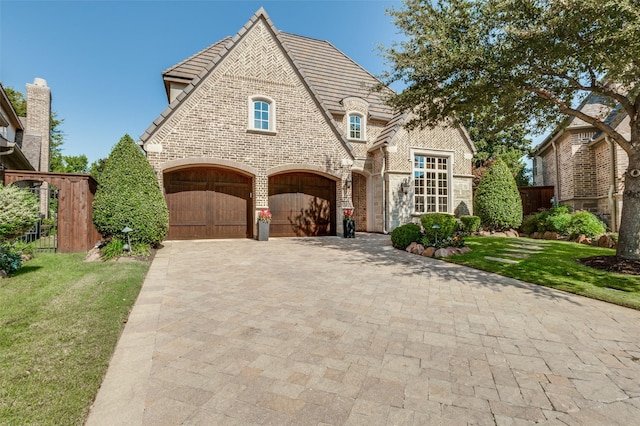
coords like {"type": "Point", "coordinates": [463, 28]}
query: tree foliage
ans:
{"type": "Point", "coordinates": [19, 211]}
{"type": "Point", "coordinates": [129, 196]}
{"type": "Point", "coordinates": [497, 201]}
{"type": "Point", "coordinates": [531, 62]}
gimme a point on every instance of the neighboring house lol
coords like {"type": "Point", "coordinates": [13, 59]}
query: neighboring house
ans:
{"type": "Point", "coordinates": [584, 165]}
{"type": "Point", "coordinates": [267, 119]}
{"type": "Point", "coordinates": [24, 141]}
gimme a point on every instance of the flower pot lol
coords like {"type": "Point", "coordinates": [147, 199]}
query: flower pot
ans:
{"type": "Point", "coordinates": [263, 231]}
{"type": "Point", "coordinates": [349, 228]}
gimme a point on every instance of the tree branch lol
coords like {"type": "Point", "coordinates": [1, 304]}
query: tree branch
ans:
{"type": "Point", "coordinates": [595, 122]}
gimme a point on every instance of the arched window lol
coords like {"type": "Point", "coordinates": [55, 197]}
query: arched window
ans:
{"type": "Point", "coordinates": [356, 124]}
{"type": "Point", "coordinates": [262, 114]}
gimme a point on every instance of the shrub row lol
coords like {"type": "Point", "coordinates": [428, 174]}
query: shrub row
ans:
{"type": "Point", "coordinates": [559, 219]}
{"type": "Point", "coordinates": [437, 230]}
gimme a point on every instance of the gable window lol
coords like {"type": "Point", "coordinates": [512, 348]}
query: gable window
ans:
{"type": "Point", "coordinates": [356, 126]}
{"type": "Point", "coordinates": [431, 183]}
{"type": "Point", "coordinates": [262, 113]}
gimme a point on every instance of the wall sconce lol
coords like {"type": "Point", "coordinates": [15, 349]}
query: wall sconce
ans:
{"type": "Point", "coordinates": [405, 185]}
{"type": "Point", "coordinates": [347, 183]}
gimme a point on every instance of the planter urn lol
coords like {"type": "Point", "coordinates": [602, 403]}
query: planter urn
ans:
{"type": "Point", "coordinates": [349, 228]}
{"type": "Point", "coordinates": [263, 231]}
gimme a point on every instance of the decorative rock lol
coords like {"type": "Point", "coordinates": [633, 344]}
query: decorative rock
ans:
{"type": "Point", "coordinates": [605, 241]}
{"type": "Point", "coordinates": [464, 250]}
{"type": "Point", "coordinates": [3, 274]}
{"type": "Point", "coordinates": [582, 239]}
{"type": "Point", "coordinates": [537, 235]}
{"type": "Point", "coordinates": [512, 233]}
{"type": "Point", "coordinates": [411, 247]}
{"type": "Point", "coordinates": [550, 235]}
{"type": "Point", "coordinates": [417, 249]}
{"type": "Point", "coordinates": [443, 252]}
{"type": "Point", "coordinates": [26, 257]}
{"type": "Point", "coordinates": [428, 252]}
{"type": "Point", "coordinates": [94, 255]}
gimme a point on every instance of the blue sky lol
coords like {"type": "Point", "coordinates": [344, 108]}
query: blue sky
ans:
{"type": "Point", "coordinates": [103, 59]}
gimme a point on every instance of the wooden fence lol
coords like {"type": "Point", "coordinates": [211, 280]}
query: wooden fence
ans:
{"type": "Point", "coordinates": [76, 232]}
{"type": "Point", "coordinates": [536, 198]}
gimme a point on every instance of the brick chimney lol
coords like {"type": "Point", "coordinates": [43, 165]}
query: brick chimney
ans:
{"type": "Point", "coordinates": [39, 119]}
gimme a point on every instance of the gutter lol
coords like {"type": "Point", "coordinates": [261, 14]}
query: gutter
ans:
{"type": "Point", "coordinates": [612, 186]}
{"type": "Point", "coordinates": [384, 191]}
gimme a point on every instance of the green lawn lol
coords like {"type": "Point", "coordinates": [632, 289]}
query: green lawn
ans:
{"type": "Point", "coordinates": [60, 319]}
{"type": "Point", "coordinates": [555, 266]}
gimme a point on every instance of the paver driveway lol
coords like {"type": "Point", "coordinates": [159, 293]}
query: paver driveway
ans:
{"type": "Point", "coordinates": [340, 331]}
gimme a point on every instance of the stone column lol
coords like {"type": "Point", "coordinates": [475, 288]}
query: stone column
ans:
{"type": "Point", "coordinates": [39, 118]}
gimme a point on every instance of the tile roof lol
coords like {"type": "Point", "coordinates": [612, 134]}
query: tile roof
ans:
{"type": "Point", "coordinates": [330, 75]}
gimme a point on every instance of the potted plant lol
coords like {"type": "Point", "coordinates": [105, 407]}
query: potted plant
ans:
{"type": "Point", "coordinates": [264, 218]}
{"type": "Point", "coordinates": [348, 224]}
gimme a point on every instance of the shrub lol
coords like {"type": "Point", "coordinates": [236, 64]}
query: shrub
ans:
{"type": "Point", "coordinates": [113, 249]}
{"type": "Point", "coordinates": [19, 211]}
{"type": "Point", "coordinates": [129, 195]}
{"type": "Point", "coordinates": [557, 222]}
{"type": "Point", "coordinates": [586, 223]}
{"type": "Point", "coordinates": [447, 226]}
{"type": "Point", "coordinates": [10, 259]}
{"type": "Point", "coordinates": [529, 224]}
{"type": "Point", "coordinates": [497, 201]}
{"type": "Point", "coordinates": [404, 235]}
{"type": "Point", "coordinates": [470, 223]}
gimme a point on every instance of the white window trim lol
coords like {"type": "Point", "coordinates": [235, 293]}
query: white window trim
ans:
{"type": "Point", "coordinates": [272, 114]}
{"type": "Point", "coordinates": [363, 126]}
{"type": "Point", "coordinates": [450, 156]}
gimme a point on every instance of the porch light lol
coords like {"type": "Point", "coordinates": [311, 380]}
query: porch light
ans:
{"type": "Point", "coordinates": [348, 182]}
{"type": "Point", "coordinates": [405, 185]}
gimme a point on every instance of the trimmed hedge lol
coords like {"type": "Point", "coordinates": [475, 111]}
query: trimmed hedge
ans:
{"type": "Point", "coordinates": [586, 223]}
{"type": "Point", "coordinates": [129, 195]}
{"type": "Point", "coordinates": [497, 201]}
{"type": "Point", "coordinates": [470, 223]}
{"type": "Point", "coordinates": [404, 235]}
{"type": "Point", "coordinates": [447, 226]}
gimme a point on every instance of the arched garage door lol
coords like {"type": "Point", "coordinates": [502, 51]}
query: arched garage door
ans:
{"type": "Point", "coordinates": [302, 204]}
{"type": "Point", "coordinates": [208, 202]}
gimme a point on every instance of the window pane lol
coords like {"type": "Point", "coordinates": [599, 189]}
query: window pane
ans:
{"type": "Point", "coordinates": [431, 181]}
{"type": "Point", "coordinates": [261, 115]}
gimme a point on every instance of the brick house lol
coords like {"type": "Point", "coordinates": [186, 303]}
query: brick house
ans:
{"type": "Point", "coordinates": [24, 141]}
{"type": "Point", "coordinates": [267, 119]}
{"type": "Point", "coordinates": [583, 165]}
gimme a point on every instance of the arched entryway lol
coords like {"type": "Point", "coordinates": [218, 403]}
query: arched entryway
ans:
{"type": "Point", "coordinates": [302, 204]}
{"type": "Point", "coordinates": [359, 199]}
{"type": "Point", "coordinates": [208, 202]}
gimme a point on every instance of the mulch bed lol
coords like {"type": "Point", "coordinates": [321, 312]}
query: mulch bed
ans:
{"type": "Point", "coordinates": [613, 264]}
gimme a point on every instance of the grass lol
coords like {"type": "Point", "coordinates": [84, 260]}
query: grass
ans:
{"type": "Point", "coordinates": [60, 319]}
{"type": "Point", "coordinates": [555, 266]}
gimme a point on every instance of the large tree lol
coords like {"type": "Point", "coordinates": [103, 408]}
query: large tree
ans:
{"type": "Point", "coordinates": [531, 60]}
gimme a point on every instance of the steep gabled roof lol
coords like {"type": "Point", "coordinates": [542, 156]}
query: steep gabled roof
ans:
{"type": "Point", "coordinates": [328, 73]}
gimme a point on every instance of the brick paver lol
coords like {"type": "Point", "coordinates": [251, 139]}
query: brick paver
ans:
{"type": "Point", "coordinates": [336, 331]}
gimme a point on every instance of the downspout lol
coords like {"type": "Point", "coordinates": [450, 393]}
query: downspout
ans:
{"type": "Point", "coordinates": [555, 153]}
{"type": "Point", "coordinates": [384, 198]}
{"type": "Point", "coordinates": [612, 186]}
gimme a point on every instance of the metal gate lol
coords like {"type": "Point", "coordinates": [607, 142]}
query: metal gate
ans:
{"type": "Point", "coordinates": [43, 237]}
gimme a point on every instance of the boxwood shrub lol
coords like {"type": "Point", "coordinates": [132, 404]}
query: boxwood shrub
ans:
{"type": "Point", "coordinates": [404, 235]}
{"type": "Point", "coordinates": [447, 226]}
{"type": "Point", "coordinates": [470, 223]}
{"type": "Point", "coordinates": [497, 201]}
{"type": "Point", "coordinates": [586, 223]}
{"type": "Point", "coordinates": [129, 196]}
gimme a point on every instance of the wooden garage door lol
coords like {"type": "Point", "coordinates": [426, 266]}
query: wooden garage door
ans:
{"type": "Point", "coordinates": [302, 204]}
{"type": "Point", "coordinates": [206, 202]}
